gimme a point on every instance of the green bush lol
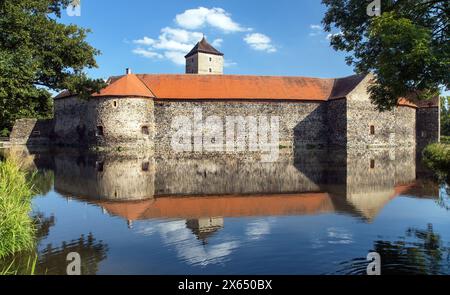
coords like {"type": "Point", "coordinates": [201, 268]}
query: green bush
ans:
{"type": "Point", "coordinates": [16, 225]}
{"type": "Point", "coordinates": [437, 157]}
{"type": "Point", "coordinates": [4, 133]}
{"type": "Point", "coordinates": [445, 139]}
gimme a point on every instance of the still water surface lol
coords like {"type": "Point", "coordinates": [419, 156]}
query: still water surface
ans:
{"type": "Point", "coordinates": [315, 212]}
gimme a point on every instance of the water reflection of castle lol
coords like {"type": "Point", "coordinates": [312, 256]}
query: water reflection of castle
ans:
{"type": "Point", "coordinates": [203, 192]}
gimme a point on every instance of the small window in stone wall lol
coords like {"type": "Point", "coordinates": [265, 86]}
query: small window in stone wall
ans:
{"type": "Point", "coordinates": [372, 164]}
{"type": "Point", "coordinates": [99, 166]}
{"type": "Point", "coordinates": [99, 131]}
{"type": "Point", "coordinates": [210, 59]}
{"type": "Point", "coordinates": [145, 166]}
{"type": "Point", "coordinates": [372, 130]}
{"type": "Point", "coordinates": [145, 130]}
{"type": "Point", "coordinates": [115, 103]}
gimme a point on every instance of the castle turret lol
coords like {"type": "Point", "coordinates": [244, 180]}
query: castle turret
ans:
{"type": "Point", "coordinates": [204, 59]}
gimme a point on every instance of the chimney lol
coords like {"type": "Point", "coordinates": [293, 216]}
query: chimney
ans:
{"type": "Point", "coordinates": [128, 71]}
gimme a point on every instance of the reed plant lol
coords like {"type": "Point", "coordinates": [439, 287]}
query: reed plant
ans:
{"type": "Point", "coordinates": [16, 225]}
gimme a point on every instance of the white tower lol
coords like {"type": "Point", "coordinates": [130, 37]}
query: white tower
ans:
{"type": "Point", "coordinates": [204, 59]}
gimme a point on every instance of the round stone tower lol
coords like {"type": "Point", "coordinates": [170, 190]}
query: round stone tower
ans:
{"type": "Point", "coordinates": [121, 115]}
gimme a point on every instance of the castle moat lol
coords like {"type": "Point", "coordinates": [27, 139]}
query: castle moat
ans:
{"type": "Point", "coordinates": [310, 212]}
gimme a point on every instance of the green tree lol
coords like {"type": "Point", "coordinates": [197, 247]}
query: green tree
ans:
{"type": "Point", "coordinates": [39, 54]}
{"type": "Point", "coordinates": [407, 47]}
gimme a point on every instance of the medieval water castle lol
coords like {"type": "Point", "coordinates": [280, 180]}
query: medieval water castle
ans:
{"type": "Point", "coordinates": [136, 110]}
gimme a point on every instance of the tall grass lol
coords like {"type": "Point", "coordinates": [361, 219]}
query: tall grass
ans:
{"type": "Point", "coordinates": [16, 226]}
{"type": "Point", "coordinates": [19, 267]}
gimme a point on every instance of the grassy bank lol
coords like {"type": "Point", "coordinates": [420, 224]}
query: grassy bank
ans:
{"type": "Point", "coordinates": [16, 225]}
{"type": "Point", "coordinates": [437, 157]}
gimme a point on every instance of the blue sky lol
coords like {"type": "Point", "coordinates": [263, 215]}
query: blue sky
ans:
{"type": "Point", "coordinates": [257, 37]}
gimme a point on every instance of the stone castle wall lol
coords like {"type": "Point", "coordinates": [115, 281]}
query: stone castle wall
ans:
{"type": "Point", "coordinates": [145, 123]}
{"type": "Point", "coordinates": [106, 121]}
{"type": "Point", "coordinates": [368, 127]}
{"type": "Point", "coordinates": [428, 126]}
{"type": "Point", "coordinates": [96, 177]}
{"type": "Point", "coordinates": [300, 123]}
{"type": "Point", "coordinates": [31, 132]}
{"type": "Point", "coordinates": [124, 122]}
{"type": "Point", "coordinates": [337, 122]}
{"type": "Point", "coordinates": [70, 114]}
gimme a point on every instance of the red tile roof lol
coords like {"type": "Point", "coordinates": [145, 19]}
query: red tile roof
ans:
{"type": "Point", "coordinates": [224, 206]}
{"type": "Point", "coordinates": [230, 87]}
{"type": "Point", "coordinates": [126, 86]}
{"type": "Point", "coordinates": [238, 87]}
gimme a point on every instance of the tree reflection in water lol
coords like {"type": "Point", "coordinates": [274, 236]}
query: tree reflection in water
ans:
{"type": "Point", "coordinates": [52, 260]}
{"type": "Point", "coordinates": [420, 252]}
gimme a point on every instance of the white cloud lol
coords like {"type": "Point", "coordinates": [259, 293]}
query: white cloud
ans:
{"type": "Point", "coordinates": [193, 19]}
{"type": "Point", "coordinates": [147, 53]}
{"type": "Point", "coordinates": [316, 30]}
{"type": "Point", "coordinates": [258, 229]}
{"type": "Point", "coordinates": [229, 63]}
{"type": "Point", "coordinates": [190, 250]}
{"type": "Point", "coordinates": [260, 42]}
{"type": "Point", "coordinates": [144, 41]}
{"type": "Point", "coordinates": [339, 236]}
{"type": "Point", "coordinates": [172, 44]}
{"type": "Point", "coordinates": [176, 57]}
{"type": "Point", "coordinates": [217, 42]}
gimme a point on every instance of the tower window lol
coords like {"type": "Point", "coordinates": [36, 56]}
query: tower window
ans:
{"type": "Point", "coordinates": [99, 131]}
{"type": "Point", "coordinates": [145, 130]}
{"type": "Point", "coordinates": [210, 70]}
{"type": "Point", "coordinates": [210, 59]}
{"type": "Point", "coordinates": [372, 164]}
{"type": "Point", "coordinates": [145, 166]}
{"type": "Point", "coordinates": [372, 130]}
{"type": "Point", "coordinates": [115, 103]}
{"type": "Point", "coordinates": [99, 166]}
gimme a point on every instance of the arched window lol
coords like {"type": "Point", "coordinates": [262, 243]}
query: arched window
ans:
{"type": "Point", "coordinates": [145, 166]}
{"type": "Point", "coordinates": [99, 131]}
{"type": "Point", "coordinates": [145, 130]}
